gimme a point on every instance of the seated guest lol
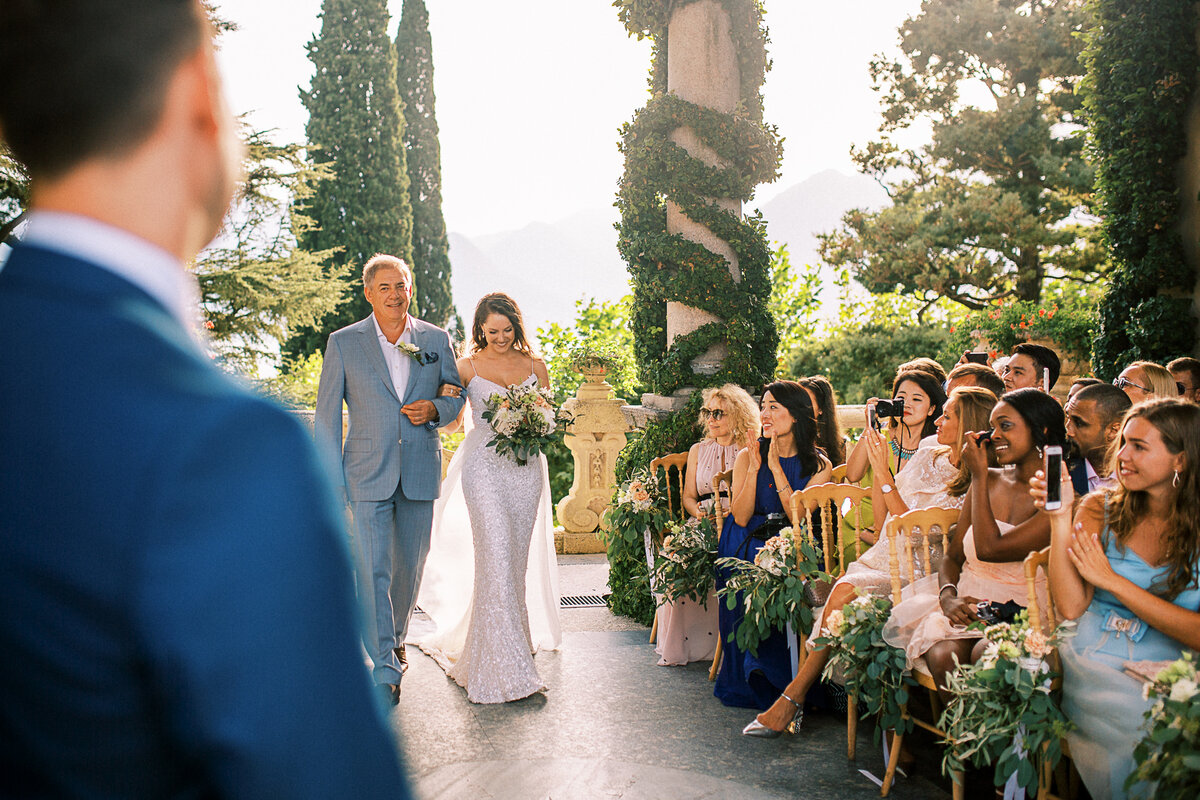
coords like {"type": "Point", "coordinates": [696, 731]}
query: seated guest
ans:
{"type": "Point", "coordinates": [687, 630]}
{"type": "Point", "coordinates": [923, 364]}
{"type": "Point", "coordinates": [997, 528]}
{"type": "Point", "coordinates": [1031, 366]}
{"type": "Point", "coordinates": [934, 478]}
{"type": "Point", "coordinates": [1145, 380]}
{"type": "Point", "coordinates": [1093, 420]}
{"type": "Point", "coordinates": [1079, 383]}
{"type": "Point", "coordinates": [830, 437]}
{"type": "Point", "coordinates": [1186, 372]}
{"type": "Point", "coordinates": [1128, 573]}
{"type": "Point", "coordinates": [923, 400]}
{"type": "Point", "coordinates": [765, 474]}
{"type": "Point", "coordinates": [972, 374]}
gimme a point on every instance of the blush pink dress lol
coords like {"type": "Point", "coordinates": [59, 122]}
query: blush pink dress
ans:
{"type": "Point", "coordinates": [687, 630]}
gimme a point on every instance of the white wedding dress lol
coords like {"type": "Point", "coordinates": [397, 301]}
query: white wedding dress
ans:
{"type": "Point", "coordinates": [491, 581]}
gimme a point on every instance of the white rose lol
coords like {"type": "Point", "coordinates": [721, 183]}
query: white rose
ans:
{"type": "Point", "coordinates": [1184, 689]}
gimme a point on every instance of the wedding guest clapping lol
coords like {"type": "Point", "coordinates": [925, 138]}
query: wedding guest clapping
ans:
{"type": "Point", "coordinates": [687, 630]}
{"type": "Point", "coordinates": [997, 528]}
{"type": "Point", "coordinates": [765, 475]}
{"type": "Point", "coordinates": [1128, 572]}
{"type": "Point", "coordinates": [935, 478]}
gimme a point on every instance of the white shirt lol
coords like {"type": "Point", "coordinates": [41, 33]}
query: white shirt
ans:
{"type": "Point", "coordinates": [398, 363]}
{"type": "Point", "coordinates": [147, 266]}
{"type": "Point", "coordinates": [1095, 481]}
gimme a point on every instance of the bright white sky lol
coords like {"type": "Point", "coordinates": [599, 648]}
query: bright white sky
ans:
{"type": "Point", "coordinates": [530, 94]}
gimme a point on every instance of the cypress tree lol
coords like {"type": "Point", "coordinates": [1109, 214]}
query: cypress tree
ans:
{"type": "Point", "coordinates": [355, 126]}
{"type": "Point", "coordinates": [431, 249]}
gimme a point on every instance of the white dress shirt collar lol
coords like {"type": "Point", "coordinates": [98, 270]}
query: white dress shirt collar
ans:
{"type": "Point", "coordinates": [147, 266]}
{"type": "Point", "coordinates": [405, 335]}
{"type": "Point", "coordinates": [1094, 480]}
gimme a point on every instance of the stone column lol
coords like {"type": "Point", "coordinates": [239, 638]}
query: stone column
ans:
{"type": "Point", "coordinates": [702, 68]}
{"type": "Point", "coordinates": [595, 439]}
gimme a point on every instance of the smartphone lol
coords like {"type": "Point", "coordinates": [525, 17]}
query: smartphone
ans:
{"type": "Point", "coordinates": [986, 436]}
{"type": "Point", "coordinates": [977, 358]}
{"type": "Point", "coordinates": [872, 422]}
{"type": "Point", "coordinates": [1046, 382]}
{"type": "Point", "coordinates": [1053, 470]}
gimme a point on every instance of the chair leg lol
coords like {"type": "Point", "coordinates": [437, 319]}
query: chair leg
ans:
{"type": "Point", "coordinates": [851, 725]}
{"type": "Point", "coordinates": [716, 665]}
{"type": "Point", "coordinates": [956, 785]}
{"type": "Point", "coordinates": [654, 627]}
{"type": "Point", "coordinates": [893, 761]}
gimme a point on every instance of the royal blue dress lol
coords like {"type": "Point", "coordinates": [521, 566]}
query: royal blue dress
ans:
{"type": "Point", "coordinates": [753, 681]}
{"type": "Point", "coordinates": [1098, 695]}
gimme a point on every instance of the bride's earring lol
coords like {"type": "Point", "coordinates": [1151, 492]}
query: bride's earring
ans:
{"type": "Point", "coordinates": [1175, 480]}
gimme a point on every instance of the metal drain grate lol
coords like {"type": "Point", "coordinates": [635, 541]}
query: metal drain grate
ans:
{"type": "Point", "coordinates": [583, 601]}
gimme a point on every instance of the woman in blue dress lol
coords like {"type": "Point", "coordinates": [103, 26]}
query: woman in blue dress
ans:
{"type": "Point", "coordinates": [1128, 572]}
{"type": "Point", "coordinates": [765, 474]}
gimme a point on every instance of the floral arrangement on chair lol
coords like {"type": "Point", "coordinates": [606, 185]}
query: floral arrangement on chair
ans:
{"type": "Point", "coordinates": [686, 563]}
{"type": "Point", "coordinates": [1004, 710]}
{"type": "Point", "coordinates": [1168, 757]}
{"type": "Point", "coordinates": [636, 506]}
{"type": "Point", "coordinates": [874, 671]}
{"type": "Point", "coordinates": [772, 588]}
{"type": "Point", "coordinates": [523, 419]}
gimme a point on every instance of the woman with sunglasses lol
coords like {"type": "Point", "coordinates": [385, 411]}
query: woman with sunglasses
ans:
{"type": "Point", "coordinates": [1128, 572]}
{"type": "Point", "coordinates": [687, 630]}
{"type": "Point", "coordinates": [1145, 380]}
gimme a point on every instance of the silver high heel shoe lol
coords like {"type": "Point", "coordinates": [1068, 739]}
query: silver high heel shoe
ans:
{"type": "Point", "coordinates": [756, 728]}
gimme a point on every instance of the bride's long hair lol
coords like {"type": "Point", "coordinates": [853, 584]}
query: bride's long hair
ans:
{"type": "Point", "coordinates": [499, 303]}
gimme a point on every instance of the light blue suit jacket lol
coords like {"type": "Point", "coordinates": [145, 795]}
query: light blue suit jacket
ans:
{"type": "Point", "coordinates": [381, 444]}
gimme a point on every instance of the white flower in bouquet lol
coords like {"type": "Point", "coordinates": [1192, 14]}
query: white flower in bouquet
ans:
{"type": "Point", "coordinates": [834, 623]}
{"type": "Point", "coordinates": [1183, 689]}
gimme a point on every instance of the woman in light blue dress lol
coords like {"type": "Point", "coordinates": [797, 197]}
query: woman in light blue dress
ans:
{"type": "Point", "coordinates": [1127, 571]}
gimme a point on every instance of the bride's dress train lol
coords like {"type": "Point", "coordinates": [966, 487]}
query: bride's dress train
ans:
{"type": "Point", "coordinates": [491, 581]}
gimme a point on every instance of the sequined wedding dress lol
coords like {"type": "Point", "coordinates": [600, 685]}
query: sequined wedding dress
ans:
{"type": "Point", "coordinates": [494, 609]}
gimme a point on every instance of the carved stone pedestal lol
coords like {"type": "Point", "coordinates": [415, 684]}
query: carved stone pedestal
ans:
{"type": "Point", "coordinates": [595, 439]}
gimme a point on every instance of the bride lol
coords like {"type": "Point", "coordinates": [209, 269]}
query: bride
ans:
{"type": "Point", "coordinates": [494, 609]}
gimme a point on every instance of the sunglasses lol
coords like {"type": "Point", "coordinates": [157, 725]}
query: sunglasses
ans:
{"type": "Point", "coordinates": [1121, 383]}
{"type": "Point", "coordinates": [714, 414]}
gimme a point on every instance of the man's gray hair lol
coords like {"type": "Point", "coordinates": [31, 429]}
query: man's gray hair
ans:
{"type": "Point", "coordinates": [381, 261]}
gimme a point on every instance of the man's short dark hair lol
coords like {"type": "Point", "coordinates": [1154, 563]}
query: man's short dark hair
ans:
{"type": "Point", "coordinates": [982, 375]}
{"type": "Point", "coordinates": [1189, 365]}
{"type": "Point", "coordinates": [1043, 356]}
{"type": "Point", "coordinates": [1089, 381]}
{"type": "Point", "coordinates": [1111, 402]}
{"type": "Point", "coordinates": [82, 78]}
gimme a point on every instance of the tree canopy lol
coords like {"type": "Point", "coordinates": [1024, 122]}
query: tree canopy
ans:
{"type": "Point", "coordinates": [431, 248]}
{"type": "Point", "coordinates": [996, 200]}
{"type": "Point", "coordinates": [355, 126]}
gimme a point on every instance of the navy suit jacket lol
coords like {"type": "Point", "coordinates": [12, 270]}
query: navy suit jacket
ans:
{"type": "Point", "coordinates": [177, 616]}
{"type": "Point", "coordinates": [1078, 472]}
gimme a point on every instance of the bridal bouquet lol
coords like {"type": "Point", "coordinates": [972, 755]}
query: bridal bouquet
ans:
{"type": "Point", "coordinates": [686, 563]}
{"type": "Point", "coordinates": [1168, 757]}
{"type": "Point", "coordinates": [1004, 710]}
{"type": "Point", "coordinates": [874, 671]}
{"type": "Point", "coordinates": [523, 419]}
{"type": "Point", "coordinates": [771, 588]}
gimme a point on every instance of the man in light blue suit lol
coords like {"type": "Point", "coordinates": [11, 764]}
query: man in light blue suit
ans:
{"type": "Point", "coordinates": [177, 614]}
{"type": "Point", "coordinates": [398, 379]}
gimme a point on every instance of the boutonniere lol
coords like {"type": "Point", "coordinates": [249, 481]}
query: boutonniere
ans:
{"type": "Point", "coordinates": [415, 353]}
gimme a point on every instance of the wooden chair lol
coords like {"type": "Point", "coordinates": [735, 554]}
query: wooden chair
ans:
{"type": "Point", "coordinates": [677, 462]}
{"type": "Point", "coordinates": [839, 473]}
{"type": "Point", "coordinates": [722, 488]}
{"type": "Point", "coordinates": [829, 500]}
{"type": "Point", "coordinates": [1064, 775]}
{"type": "Point", "coordinates": [912, 549]}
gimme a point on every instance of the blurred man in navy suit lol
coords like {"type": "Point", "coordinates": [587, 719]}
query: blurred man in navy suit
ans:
{"type": "Point", "coordinates": [178, 612]}
{"type": "Point", "coordinates": [1093, 417]}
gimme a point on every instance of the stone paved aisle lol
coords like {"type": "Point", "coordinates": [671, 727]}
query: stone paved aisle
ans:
{"type": "Point", "coordinates": [615, 725]}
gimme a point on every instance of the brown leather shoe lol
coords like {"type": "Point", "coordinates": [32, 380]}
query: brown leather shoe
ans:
{"type": "Point", "coordinates": [403, 658]}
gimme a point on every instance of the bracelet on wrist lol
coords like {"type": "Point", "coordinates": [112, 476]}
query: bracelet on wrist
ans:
{"type": "Point", "coordinates": [946, 586]}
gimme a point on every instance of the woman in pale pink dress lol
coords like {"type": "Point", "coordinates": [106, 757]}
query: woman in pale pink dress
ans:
{"type": "Point", "coordinates": [997, 527]}
{"type": "Point", "coordinates": [687, 630]}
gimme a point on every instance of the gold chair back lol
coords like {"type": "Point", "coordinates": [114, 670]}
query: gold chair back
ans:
{"type": "Point", "coordinates": [677, 462]}
{"type": "Point", "coordinates": [722, 490]}
{"type": "Point", "coordinates": [919, 533]}
{"type": "Point", "coordinates": [839, 473]}
{"type": "Point", "coordinates": [828, 500]}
